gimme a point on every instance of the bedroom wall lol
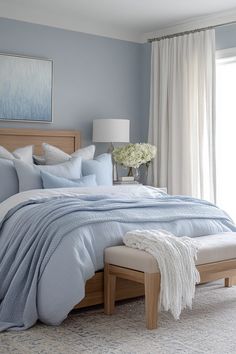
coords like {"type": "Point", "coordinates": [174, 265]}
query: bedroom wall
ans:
{"type": "Point", "coordinates": [226, 37]}
{"type": "Point", "coordinates": [93, 76]}
{"type": "Point", "coordinates": [146, 69]}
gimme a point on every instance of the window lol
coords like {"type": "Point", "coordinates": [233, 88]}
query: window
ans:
{"type": "Point", "coordinates": [226, 130]}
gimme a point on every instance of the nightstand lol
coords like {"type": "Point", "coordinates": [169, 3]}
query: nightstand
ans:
{"type": "Point", "coordinates": [123, 183]}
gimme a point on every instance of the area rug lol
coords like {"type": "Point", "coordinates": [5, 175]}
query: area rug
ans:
{"type": "Point", "coordinates": [210, 327]}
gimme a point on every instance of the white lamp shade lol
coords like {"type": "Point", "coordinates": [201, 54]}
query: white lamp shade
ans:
{"type": "Point", "coordinates": [111, 130]}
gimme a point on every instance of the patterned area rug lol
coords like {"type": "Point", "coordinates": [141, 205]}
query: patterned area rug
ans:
{"type": "Point", "coordinates": [210, 327]}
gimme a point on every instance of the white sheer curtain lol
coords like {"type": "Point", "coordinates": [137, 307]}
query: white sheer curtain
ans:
{"type": "Point", "coordinates": [182, 114]}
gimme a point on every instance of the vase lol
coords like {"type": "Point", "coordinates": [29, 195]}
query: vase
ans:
{"type": "Point", "coordinates": [145, 177]}
{"type": "Point", "coordinates": [130, 172]}
{"type": "Point", "coordinates": [134, 172]}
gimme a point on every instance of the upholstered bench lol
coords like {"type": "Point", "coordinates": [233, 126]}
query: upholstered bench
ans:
{"type": "Point", "coordinates": [216, 260]}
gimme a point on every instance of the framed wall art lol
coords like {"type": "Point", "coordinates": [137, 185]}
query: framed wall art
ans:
{"type": "Point", "coordinates": [25, 89]}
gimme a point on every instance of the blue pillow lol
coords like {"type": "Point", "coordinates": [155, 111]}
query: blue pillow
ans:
{"type": "Point", "coordinates": [29, 175]}
{"type": "Point", "coordinates": [51, 181]}
{"type": "Point", "coordinates": [101, 166]}
{"type": "Point", "coordinates": [8, 177]}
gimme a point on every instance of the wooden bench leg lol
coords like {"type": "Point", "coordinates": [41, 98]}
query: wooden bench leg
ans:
{"type": "Point", "coordinates": [109, 291]}
{"type": "Point", "coordinates": [228, 282]}
{"type": "Point", "coordinates": [152, 291]}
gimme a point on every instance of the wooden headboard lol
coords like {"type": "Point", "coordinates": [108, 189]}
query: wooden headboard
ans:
{"type": "Point", "coordinates": [67, 140]}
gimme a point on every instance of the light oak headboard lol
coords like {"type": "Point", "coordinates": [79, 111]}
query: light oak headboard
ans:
{"type": "Point", "coordinates": [67, 140]}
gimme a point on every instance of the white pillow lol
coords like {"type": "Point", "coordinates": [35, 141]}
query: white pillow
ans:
{"type": "Point", "coordinates": [24, 154]}
{"type": "Point", "coordinates": [54, 155]}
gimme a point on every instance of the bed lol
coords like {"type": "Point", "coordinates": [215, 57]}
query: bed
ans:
{"type": "Point", "coordinates": [69, 141]}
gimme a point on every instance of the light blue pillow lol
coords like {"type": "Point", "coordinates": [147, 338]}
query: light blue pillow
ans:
{"type": "Point", "coordinates": [9, 184]}
{"type": "Point", "coordinates": [51, 181]}
{"type": "Point", "coordinates": [101, 166]}
{"type": "Point", "coordinates": [30, 178]}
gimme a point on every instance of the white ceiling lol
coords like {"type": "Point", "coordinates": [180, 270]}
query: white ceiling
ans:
{"type": "Point", "coordinates": [124, 19]}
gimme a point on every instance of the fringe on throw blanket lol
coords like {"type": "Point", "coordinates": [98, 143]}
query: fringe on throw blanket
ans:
{"type": "Point", "coordinates": [176, 260]}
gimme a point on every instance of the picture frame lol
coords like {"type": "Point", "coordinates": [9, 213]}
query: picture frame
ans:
{"type": "Point", "coordinates": [26, 89]}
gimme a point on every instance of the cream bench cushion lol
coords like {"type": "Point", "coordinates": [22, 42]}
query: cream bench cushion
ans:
{"type": "Point", "coordinates": [212, 248]}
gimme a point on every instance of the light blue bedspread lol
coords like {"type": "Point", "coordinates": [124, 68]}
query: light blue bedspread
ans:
{"type": "Point", "coordinates": [32, 231]}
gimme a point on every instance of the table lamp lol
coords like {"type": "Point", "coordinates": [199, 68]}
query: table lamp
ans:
{"type": "Point", "coordinates": [111, 131]}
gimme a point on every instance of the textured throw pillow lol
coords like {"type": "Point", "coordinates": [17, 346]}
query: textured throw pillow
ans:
{"type": "Point", "coordinates": [30, 178]}
{"type": "Point", "coordinates": [25, 154]}
{"type": "Point", "coordinates": [101, 166]}
{"type": "Point", "coordinates": [54, 155]}
{"type": "Point", "coordinates": [51, 181]}
{"type": "Point", "coordinates": [9, 182]}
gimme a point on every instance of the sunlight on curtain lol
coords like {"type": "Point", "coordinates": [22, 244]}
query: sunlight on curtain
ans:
{"type": "Point", "coordinates": [226, 135]}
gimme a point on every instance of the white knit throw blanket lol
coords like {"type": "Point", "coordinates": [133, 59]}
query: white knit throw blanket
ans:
{"type": "Point", "coordinates": [176, 260]}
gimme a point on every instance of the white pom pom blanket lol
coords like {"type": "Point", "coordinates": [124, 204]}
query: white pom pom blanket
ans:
{"type": "Point", "coordinates": [176, 260]}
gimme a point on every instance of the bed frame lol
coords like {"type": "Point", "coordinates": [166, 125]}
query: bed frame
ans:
{"type": "Point", "coordinates": [68, 141]}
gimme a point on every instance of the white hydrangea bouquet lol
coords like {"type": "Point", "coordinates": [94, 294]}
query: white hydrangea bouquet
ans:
{"type": "Point", "coordinates": [134, 155]}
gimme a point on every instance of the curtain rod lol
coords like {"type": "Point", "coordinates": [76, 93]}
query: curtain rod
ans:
{"type": "Point", "coordinates": [190, 31]}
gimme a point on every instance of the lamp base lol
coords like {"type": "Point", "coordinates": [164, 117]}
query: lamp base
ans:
{"type": "Point", "coordinates": [114, 166]}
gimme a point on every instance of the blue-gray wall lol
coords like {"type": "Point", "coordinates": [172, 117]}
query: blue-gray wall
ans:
{"type": "Point", "coordinates": [146, 68]}
{"type": "Point", "coordinates": [226, 37]}
{"type": "Point", "coordinates": [94, 77]}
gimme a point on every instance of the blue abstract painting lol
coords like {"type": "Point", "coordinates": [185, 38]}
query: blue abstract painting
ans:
{"type": "Point", "coordinates": [25, 89]}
